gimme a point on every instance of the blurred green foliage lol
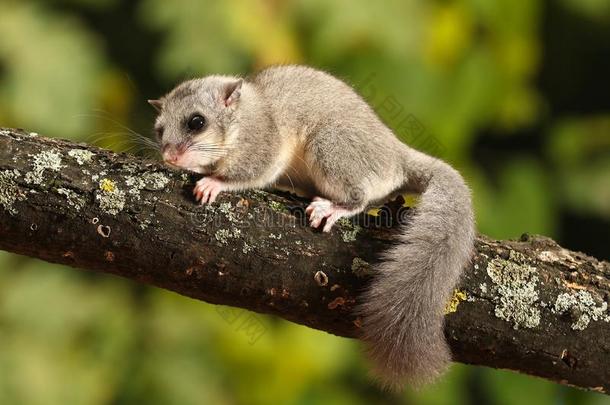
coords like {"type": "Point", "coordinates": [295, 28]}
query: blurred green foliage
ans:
{"type": "Point", "coordinates": [515, 100]}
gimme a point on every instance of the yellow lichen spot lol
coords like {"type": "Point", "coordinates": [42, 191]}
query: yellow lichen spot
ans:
{"type": "Point", "coordinates": [107, 185]}
{"type": "Point", "coordinates": [411, 200]}
{"type": "Point", "coordinates": [374, 212]}
{"type": "Point", "coordinates": [453, 304]}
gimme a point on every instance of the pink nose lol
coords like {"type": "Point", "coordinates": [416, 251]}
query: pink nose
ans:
{"type": "Point", "coordinates": [170, 158]}
{"type": "Point", "coordinates": [171, 155]}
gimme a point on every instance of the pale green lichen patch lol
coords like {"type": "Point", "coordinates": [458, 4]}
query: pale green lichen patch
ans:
{"type": "Point", "coordinates": [135, 184]}
{"type": "Point", "coordinates": [145, 223]}
{"type": "Point", "coordinates": [514, 288]}
{"type": "Point", "coordinates": [81, 156]}
{"type": "Point", "coordinates": [74, 200]}
{"type": "Point", "coordinates": [130, 168]}
{"type": "Point", "coordinates": [277, 206]}
{"type": "Point", "coordinates": [548, 256]}
{"type": "Point", "coordinates": [9, 191]}
{"type": "Point", "coordinates": [151, 181]}
{"type": "Point", "coordinates": [223, 235]}
{"type": "Point", "coordinates": [111, 200]}
{"type": "Point", "coordinates": [349, 230]}
{"type": "Point", "coordinates": [226, 208]}
{"type": "Point", "coordinates": [156, 180]}
{"type": "Point", "coordinates": [46, 160]}
{"type": "Point", "coordinates": [247, 248]}
{"type": "Point", "coordinates": [583, 308]}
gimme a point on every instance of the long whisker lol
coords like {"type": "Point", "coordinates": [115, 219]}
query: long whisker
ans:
{"type": "Point", "coordinates": [101, 136]}
{"type": "Point", "coordinates": [304, 162]}
{"type": "Point", "coordinates": [140, 147]}
{"type": "Point", "coordinates": [213, 155]}
{"type": "Point", "coordinates": [285, 173]}
{"type": "Point", "coordinates": [126, 139]}
{"type": "Point", "coordinates": [120, 125]}
{"type": "Point", "coordinates": [130, 132]}
{"type": "Point", "coordinates": [210, 146]}
{"type": "Point", "coordinates": [212, 143]}
{"type": "Point", "coordinates": [121, 143]}
{"type": "Point", "coordinates": [209, 150]}
{"type": "Point", "coordinates": [290, 180]}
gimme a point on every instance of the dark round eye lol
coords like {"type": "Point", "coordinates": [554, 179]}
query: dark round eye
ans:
{"type": "Point", "coordinates": [196, 122]}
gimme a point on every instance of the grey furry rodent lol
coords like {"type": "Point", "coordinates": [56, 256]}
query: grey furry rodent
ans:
{"type": "Point", "coordinates": [299, 128]}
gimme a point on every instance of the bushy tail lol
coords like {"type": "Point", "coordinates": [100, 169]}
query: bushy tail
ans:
{"type": "Point", "coordinates": [403, 310]}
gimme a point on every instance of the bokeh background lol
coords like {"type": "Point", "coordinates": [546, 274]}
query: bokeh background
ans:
{"type": "Point", "coordinates": [513, 93]}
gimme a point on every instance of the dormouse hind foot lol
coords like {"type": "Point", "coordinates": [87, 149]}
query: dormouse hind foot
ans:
{"type": "Point", "coordinates": [320, 209]}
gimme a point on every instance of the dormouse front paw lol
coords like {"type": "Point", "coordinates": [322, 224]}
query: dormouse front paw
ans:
{"type": "Point", "coordinates": [207, 189]}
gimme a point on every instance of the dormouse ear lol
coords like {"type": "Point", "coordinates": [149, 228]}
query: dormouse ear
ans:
{"type": "Point", "coordinates": [232, 92]}
{"type": "Point", "coordinates": [157, 104]}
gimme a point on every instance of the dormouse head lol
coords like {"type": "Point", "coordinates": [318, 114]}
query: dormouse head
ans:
{"type": "Point", "coordinates": [196, 121]}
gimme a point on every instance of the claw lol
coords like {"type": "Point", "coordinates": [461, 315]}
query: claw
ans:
{"type": "Point", "coordinates": [207, 189]}
{"type": "Point", "coordinates": [320, 209]}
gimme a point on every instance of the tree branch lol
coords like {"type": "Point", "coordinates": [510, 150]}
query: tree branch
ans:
{"type": "Point", "coordinates": [526, 305]}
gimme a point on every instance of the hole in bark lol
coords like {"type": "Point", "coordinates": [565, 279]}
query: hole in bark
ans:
{"type": "Point", "coordinates": [104, 230]}
{"type": "Point", "coordinates": [95, 220]}
{"type": "Point", "coordinates": [33, 227]}
{"type": "Point", "coordinates": [321, 278]}
{"type": "Point", "coordinates": [568, 359]}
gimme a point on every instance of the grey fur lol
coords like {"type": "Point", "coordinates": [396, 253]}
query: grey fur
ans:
{"type": "Point", "coordinates": [300, 128]}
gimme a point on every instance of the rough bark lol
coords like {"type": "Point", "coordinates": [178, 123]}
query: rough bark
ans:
{"type": "Point", "coordinates": [525, 305]}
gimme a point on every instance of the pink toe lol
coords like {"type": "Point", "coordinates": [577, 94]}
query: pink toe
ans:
{"type": "Point", "coordinates": [213, 195]}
